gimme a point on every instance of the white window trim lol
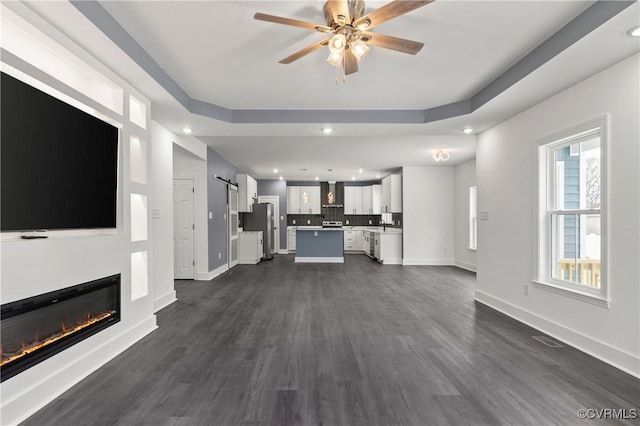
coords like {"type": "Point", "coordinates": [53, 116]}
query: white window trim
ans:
{"type": "Point", "coordinates": [542, 251]}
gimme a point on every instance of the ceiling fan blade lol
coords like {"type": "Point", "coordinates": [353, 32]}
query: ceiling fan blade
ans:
{"type": "Point", "coordinates": [350, 62]}
{"type": "Point", "coordinates": [303, 52]}
{"type": "Point", "coordinates": [390, 11]}
{"type": "Point", "coordinates": [394, 43]}
{"type": "Point", "coordinates": [293, 22]}
{"type": "Point", "coordinates": [337, 11]}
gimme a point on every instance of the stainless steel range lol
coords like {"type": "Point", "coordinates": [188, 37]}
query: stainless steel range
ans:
{"type": "Point", "coordinates": [332, 224]}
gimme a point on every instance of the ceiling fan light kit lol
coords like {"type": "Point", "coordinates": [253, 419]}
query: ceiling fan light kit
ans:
{"type": "Point", "coordinates": [349, 39]}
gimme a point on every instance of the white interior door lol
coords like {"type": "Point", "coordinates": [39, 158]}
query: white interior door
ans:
{"type": "Point", "coordinates": [275, 200]}
{"type": "Point", "coordinates": [183, 229]}
{"type": "Point", "coordinates": [233, 226]}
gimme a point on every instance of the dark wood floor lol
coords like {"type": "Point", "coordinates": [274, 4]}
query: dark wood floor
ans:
{"type": "Point", "coordinates": [340, 344]}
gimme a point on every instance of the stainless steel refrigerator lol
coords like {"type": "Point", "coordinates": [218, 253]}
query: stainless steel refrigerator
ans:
{"type": "Point", "coordinates": [261, 220]}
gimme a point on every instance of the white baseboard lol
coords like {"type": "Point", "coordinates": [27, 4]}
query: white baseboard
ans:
{"type": "Point", "coordinates": [164, 301]}
{"type": "Point", "coordinates": [21, 400]}
{"type": "Point", "coordinates": [397, 261]}
{"type": "Point", "coordinates": [208, 276]}
{"type": "Point", "coordinates": [319, 259]}
{"type": "Point", "coordinates": [428, 262]}
{"type": "Point", "coordinates": [465, 265]}
{"type": "Point", "coordinates": [618, 358]}
{"type": "Point", "coordinates": [283, 251]}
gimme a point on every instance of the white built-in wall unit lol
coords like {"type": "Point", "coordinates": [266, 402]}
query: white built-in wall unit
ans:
{"type": "Point", "coordinates": [465, 188]}
{"type": "Point", "coordinates": [43, 57]}
{"type": "Point", "coordinates": [510, 252]}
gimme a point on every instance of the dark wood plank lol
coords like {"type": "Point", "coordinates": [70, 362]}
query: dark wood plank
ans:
{"type": "Point", "coordinates": [351, 344]}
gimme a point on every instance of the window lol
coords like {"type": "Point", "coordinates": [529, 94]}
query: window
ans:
{"type": "Point", "coordinates": [571, 242]}
{"type": "Point", "coordinates": [473, 218]}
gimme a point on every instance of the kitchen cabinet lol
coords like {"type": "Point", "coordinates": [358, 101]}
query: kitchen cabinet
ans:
{"type": "Point", "coordinates": [293, 199]}
{"type": "Point", "coordinates": [303, 200]}
{"type": "Point", "coordinates": [376, 199]}
{"type": "Point", "coordinates": [366, 200]}
{"type": "Point", "coordinates": [249, 247]}
{"type": "Point", "coordinates": [353, 200]}
{"type": "Point", "coordinates": [392, 194]}
{"type": "Point", "coordinates": [352, 240]}
{"type": "Point", "coordinates": [247, 192]}
{"type": "Point", "coordinates": [388, 248]}
{"type": "Point", "coordinates": [291, 239]}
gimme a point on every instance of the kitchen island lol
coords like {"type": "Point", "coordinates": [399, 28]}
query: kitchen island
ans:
{"type": "Point", "coordinates": [319, 245]}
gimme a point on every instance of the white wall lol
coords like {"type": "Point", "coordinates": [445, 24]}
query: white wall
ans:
{"type": "Point", "coordinates": [506, 188]}
{"type": "Point", "coordinates": [162, 223]}
{"type": "Point", "coordinates": [427, 212]}
{"type": "Point", "coordinates": [187, 164]}
{"type": "Point", "coordinates": [465, 177]}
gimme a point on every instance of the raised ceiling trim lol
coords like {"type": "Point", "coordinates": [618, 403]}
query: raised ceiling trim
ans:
{"type": "Point", "coordinates": [594, 16]}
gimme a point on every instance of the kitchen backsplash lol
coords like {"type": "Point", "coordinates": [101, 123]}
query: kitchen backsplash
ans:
{"type": "Point", "coordinates": [354, 220]}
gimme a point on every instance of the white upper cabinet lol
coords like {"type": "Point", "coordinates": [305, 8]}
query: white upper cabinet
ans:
{"type": "Point", "coordinates": [366, 200]}
{"type": "Point", "coordinates": [353, 200]}
{"type": "Point", "coordinates": [376, 199]}
{"type": "Point", "coordinates": [303, 200]}
{"type": "Point", "coordinates": [293, 199]}
{"type": "Point", "coordinates": [247, 192]}
{"type": "Point", "coordinates": [392, 194]}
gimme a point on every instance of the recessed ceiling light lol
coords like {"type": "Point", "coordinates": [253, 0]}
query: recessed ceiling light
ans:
{"type": "Point", "coordinates": [280, 177]}
{"type": "Point", "coordinates": [377, 176]}
{"type": "Point", "coordinates": [275, 170]}
{"type": "Point", "coordinates": [327, 130]}
{"type": "Point", "coordinates": [359, 170]}
{"type": "Point", "coordinates": [467, 130]}
{"type": "Point", "coordinates": [634, 32]}
{"type": "Point", "coordinates": [317, 178]}
{"type": "Point", "coordinates": [353, 178]}
{"type": "Point", "coordinates": [186, 130]}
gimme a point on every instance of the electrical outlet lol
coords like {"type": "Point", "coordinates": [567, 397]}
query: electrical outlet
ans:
{"type": "Point", "coordinates": [225, 216]}
{"type": "Point", "coordinates": [281, 217]}
{"type": "Point", "coordinates": [370, 222]}
{"type": "Point", "coordinates": [293, 221]}
{"type": "Point", "coordinates": [347, 222]}
{"type": "Point", "coordinates": [308, 222]}
{"type": "Point", "coordinates": [219, 255]}
{"type": "Point", "coordinates": [526, 289]}
{"type": "Point", "coordinates": [210, 215]}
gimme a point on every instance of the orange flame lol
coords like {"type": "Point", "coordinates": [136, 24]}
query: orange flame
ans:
{"type": "Point", "coordinates": [27, 348]}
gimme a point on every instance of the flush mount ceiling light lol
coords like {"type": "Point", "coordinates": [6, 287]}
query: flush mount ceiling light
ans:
{"type": "Point", "coordinates": [348, 31]}
{"type": "Point", "coordinates": [634, 32]}
{"type": "Point", "coordinates": [441, 156]}
{"type": "Point", "coordinates": [467, 130]}
{"type": "Point", "coordinates": [327, 130]}
{"type": "Point", "coordinates": [186, 130]}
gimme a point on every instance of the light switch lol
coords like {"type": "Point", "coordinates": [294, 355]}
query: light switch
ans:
{"type": "Point", "coordinates": [484, 214]}
{"type": "Point", "coordinates": [281, 217]}
{"type": "Point", "coordinates": [225, 216]}
{"type": "Point", "coordinates": [155, 213]}
{"type": "Point", "coordinates": [210, 215]}
{"type": "Point", "coordinates": [315, 233]}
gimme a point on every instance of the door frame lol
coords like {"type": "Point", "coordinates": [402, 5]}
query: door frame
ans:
{"type": "Point", "coordinates": [275, 200]}
{"type": "Point", "coordinates": [193, 219]}
{"type": "Point", "coordinates": [230, 188]}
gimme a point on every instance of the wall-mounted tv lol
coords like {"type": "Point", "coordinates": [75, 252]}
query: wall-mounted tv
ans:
{"type": "Point", "coordinates": [58, 164]}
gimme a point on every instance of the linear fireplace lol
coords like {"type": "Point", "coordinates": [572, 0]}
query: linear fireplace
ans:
{"type": "Point", "coordinates": [34, 329]}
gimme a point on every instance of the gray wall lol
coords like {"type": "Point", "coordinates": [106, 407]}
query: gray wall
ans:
{"type": "Point", "coordinates": [217, 205]}
{"type": "Point", "coordinates": [279, 188]}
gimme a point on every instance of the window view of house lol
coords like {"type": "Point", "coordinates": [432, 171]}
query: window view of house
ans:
{"type": "Point", "coordinates": [576, 217]}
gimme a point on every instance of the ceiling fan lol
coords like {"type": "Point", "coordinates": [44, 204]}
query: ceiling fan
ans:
{"type": "Point", "coordinates": [348, 32]}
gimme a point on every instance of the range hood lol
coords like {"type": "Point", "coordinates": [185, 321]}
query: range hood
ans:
{"type": "Point", "coordinates": [331, 200]}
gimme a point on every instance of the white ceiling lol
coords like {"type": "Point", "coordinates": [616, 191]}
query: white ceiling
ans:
{"type": "Point", "coordinates": [217, 53]}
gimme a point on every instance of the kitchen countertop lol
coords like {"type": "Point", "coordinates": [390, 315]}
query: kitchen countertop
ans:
{"type": "Point", "coordinates": [375, 229]}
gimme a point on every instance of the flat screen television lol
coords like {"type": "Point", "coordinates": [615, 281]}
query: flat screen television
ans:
{"type": "Point", "coordinates": [58, 164]}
